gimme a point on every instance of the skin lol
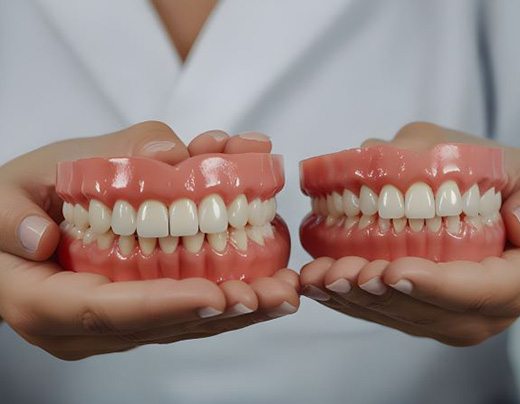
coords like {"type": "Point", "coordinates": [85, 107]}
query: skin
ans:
{"type": "Point", "coordinates": [74, 316]}
{"type": "Point", "coordinates": [458, 303]}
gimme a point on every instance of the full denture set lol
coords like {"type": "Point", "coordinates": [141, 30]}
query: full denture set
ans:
{"type": "Point", "coordinates": [214, 215]}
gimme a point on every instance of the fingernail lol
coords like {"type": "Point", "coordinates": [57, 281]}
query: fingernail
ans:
{"type": "Point", "coordinates": [516, 213]}
{"type": "Point", "coordinates": [282, 310]}
{"type": "Point", "coordinates": [403, 286]}
{"type": "Point", "coordinates": [315, 293]}
{"type": "Point", "coordinates": [207, 312]}
{"type": "Point", "coordinates": [158, 146]}
{"type": "Point", "coordinates": [238, 309]}
{"type": "Point", "coordinates": [374, 286]}
{"type": "Point", "coordinates": [341, 286]}
{"type": "Point", "coordinates": [30, 232]}
{"type": "Point", "coordinates": [259, 137]}
{"type": "Point", "coordinates": [218, 135]}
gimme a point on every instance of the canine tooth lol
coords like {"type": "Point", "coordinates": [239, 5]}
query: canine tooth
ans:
{"type": "Point", "coordinates": [218, 241]}
{"type": "Point", "coordinates": [256, 216]}
{"type": "Point", "coordinates": [238, 212]}
{"type": "Point", "coordinates": [335, 204]}
{"type": "Point", "coordinates": [89, 236]}
{"type": "Point", "coordinates": [99, 216]}
{"type": "Point", "coordinates": [350, 203]}
{"type": "Point", "coordinates": [475, 221]}
{"type": "Point", "coordinates": [470, 201]}
{"type": "Point", "coordinates": [255, 234]}
{"type": "Point", "coordinates": [384, 224]}
{"type": "Point", "coordinates": [453, 224]}
{"type": "Point", "coordinates": [239, 239]}
{"type": "Point", "coordinates": [184, 220]}
{"type": "Point", "coordinates": [434, 224]}
{"type": "Point", "coordinates": [267, 230]}
{"type": "Point", "coordinates": [487, 203]}
{"type": "Point", "coordinates": [350, 222]}
{"type": "Point", "coordinates": [448, 201]}
{"type": "Point", "coordinates": [152, 220]}
{"type": "Point", "coordinates": [419, 202]}
{"type": "Point", "coordinates": [416, 224]}
{"type": "Point", "coordinates": [367, 201]}
{"type": "Point", "coordinates": [399, 224]}
{"type": "Point", "coordinates": [168, 244]}
{"type": "Point", "coordinates": [365, 221]}
{"type": "Point", "coordinates": [105, 240]}
{"type": "Point", "coordinates": [391, 203]}
{"type": "Point", "coordinates": [124, 220]}
{"type": "Point", "coordinates": [68, 212]}
{"type": "Point", "coordinates": [80, 217]}
{"type": "Point", "coordinates": [193, 243]}
{"type": "Point", "coordinates": [322, 202]}
{"type": "Point", "coordinates": [126, 244]}
{"type": "Point", "coordinates": [147, 244]}
{"type": "Point", "coordinates": [270, 209]}
{"type": "Point", "coordinates": [213, 215]}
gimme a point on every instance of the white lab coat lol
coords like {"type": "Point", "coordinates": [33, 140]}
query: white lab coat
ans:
{"type": "Point", "coordinates": [317, 76]}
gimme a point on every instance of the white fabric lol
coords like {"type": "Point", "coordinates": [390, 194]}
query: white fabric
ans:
{"type": "Point", "coordinates": [316, 76]}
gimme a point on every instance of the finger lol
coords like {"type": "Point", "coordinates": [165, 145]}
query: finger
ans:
{"type": "Point", "coordinates": [213, 141]}
{"type": "Point", "coordinates": [240, 298]}
{"type": "Point", "coordinates": [312, 278]}
{"type": "Point", "coordinates": [373, 142]}
{"type": "Point", "coordinates": [248, 142]}
{"type": "Point", "coordinates": [511, 215]}
{"type": "Point", "coordinates": [289, 276]}
{"type": "Point", "coordinates": [276, 297]}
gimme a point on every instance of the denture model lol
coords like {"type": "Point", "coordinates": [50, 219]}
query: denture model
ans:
{"type": "Point", "coordinates": [211, 216]}
{"type": "Point", "coordinates": [383, 202]}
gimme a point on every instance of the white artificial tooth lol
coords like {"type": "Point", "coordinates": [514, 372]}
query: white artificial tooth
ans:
{"type": "Point", "coordinates": [391, 203]}
{"type": "Point", "coordinates": [350, 222]}
{"type": "Point", "coordinates": [322, 202]}
{"type": "Point", "coordinates": [99, 216]}
{"type": "Point", "coordinates": [193, 243]}
{"type": "Point", "coordinates": [267, 230]}
{"type": "Point", "coordinates": [213, 215]}
{"type": "Point", "coordinates": [218, 241]}
{"type": "Point", "coordinates": [470, 201]}
{"type": "Point", "coordinates": [448, 201]}
{"type": "Point", "coordinates": [89, 237]}
{"type": "Point", "coordinates": [68, 212]}
{"type": "Point", "coordinates": [368, 201]}
{"type": "Point", "coordinates": [184, 219]}
{"type": "Point", "coordinates": [330, 221]}
{"type": "Point", "coordinates": [350, 203]}
{"type": "Point", "coordinates": [474, 221]}
{"type": "Point", "coordinates": [487, 203]}
{"type": "Point", "coordinates": [419, 202]}
{"type": "Point", "coordinates": [124, 220]}
{"type": "Point", "coordinates": [453, 224]}
{"type": "Point", "coordinates": [399, 224]}
{"type": "Point", "coordinates": [365, 221]}
{"type": "Point", "coordinates": [335, 204]}
{"type": "Point", "coordinates": [270, 208]}
{"type": "Point", "coordinates": [147, 245]}
{"type": "Point", "coordinates": [64, 226]}
{"type": "Point", "coordinates": [238, 212]}
{"type": "Point", "coordinates": [416, 224]}
{"type": "Point", "coordinates": [434, 224]}
{"type": "Point", "coordinates": [126, 245]}
{"type": "Point", "coordinates": [256, 216]}
{"type": "Point", "coordinates": [384, 224]}
{"type": "Point", "coordinates": [315, 205]}
{"type": "Point", "coordinates": [77, 233]}
{"type": "Point", "coordinates": [152, 220]}
{"type": "Point", "coordinates": [168, 244]}
{"type": "Point", "coordinates": [498, 201]}
{"type": "Point", "coordinates": [255, 234]}
{"type": "Point", "coordinates": [239, 239]}
{"type": "Point", "coordinates": [105, 240]}
{"type": "Point", "coordinates": [80, 217]}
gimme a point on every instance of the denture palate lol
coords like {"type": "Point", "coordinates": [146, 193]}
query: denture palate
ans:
{"type": "Point", "coordinates": [158, 225]}
{"type": "Point", "coordinates": [416, 207]}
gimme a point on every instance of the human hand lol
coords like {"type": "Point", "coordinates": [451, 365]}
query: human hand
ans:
{"type": "Point", "coordinates": [458, 303]}
{"type": "Point", "coordinates": [76, 315]}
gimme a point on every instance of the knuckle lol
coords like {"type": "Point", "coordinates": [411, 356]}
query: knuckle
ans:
{"type": "Point", "coordinates": [413, 128]}
{"type": "Point", "coordinates": [93, 323]}
{"type": "Point", "coordinates": [154, 127]}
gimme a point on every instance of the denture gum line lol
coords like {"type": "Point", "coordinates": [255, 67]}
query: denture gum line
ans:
{"type": "Point", "coordinates": [182, 222]}
{"type": "Point", "coordinates": [417, 208]}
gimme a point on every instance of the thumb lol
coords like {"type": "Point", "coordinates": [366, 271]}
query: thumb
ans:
{"type": "Point", "coordinates": [511, 207]}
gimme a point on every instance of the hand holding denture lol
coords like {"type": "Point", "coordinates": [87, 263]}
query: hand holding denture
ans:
{"type": "Point", "coordinates": [76, 315]}
{"type": "Point", "coordinates": [417, 242]}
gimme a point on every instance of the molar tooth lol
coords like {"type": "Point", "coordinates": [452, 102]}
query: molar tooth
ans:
{"type": "Point", "coordinates": [147, 245]}
{"type": "Point", "coordinates": [270, 208]}
{"type": "Point", "coordinates": [89, 236]}
{"type": "Point", "coordinates": [391, 203]}
{"type": "Point", "coordinates": [80, 217]}
{"type": "Point", "coordinates": [487, 203]}
{"type": "Point", "coordinates": [256, 216]}
{"type": "Point", "coordinates": [105, 240]}
{"type": "Point", "coordinates": [77, 233]}
{"type": "Point", "coordinates": [350, 222]}
{"type": "Point", "coordinates": [238, 212]}
{"type": "Point", "coordinates": [184, 220]}
{"type": "Point", "coordinates": [350, 203]}
{"type": "Point", "coordinates": [470, 201]}
{"type": "Point", "coordinates": [322, 202]}
{"type": "Point", "coordinates": [213, 215]}
{"type": "Point", "coordinates": [255, 234]}
{"type": "Point", "coordinates": [399, 224]}
{"type": "Point", "coordinates": [193, 243]}
{"type": "Point", "coordinates": [239, 239]}
{"type": "Point", "coordinates": [152, 220]}
{"type": "Point", "coordinates": [218, 241]}
{"type": "Point", "coordinates": [124, 220]}
{"type": "Point", "coordinates": [168, 244]}
{"type": "Point", "coordinates": [368, 201]}
{"type": "Point", "coordinates": [365, 221]}
{"type": "Point", "coordinates": [419, 202]}
{"type": "Point", "coordinates": [416, 224]}
{"type": "Point", "coordinates": [126, 245]}
{"type": "Point", "coordinates": [384, 224]}
{"type": "Point", "coordinates": [448, 201]}
{"type": "Point", "coordinates": [100, 217]}
{"type": "Point", "coordinates": [335, 204]}
{"type": "Point", "coordinates": [498, 201]}
{"type": "Point", "coordinates": [68, 212]}
{"type": "Point", "coordinates": [434, 224]}
{"type": "Point", "coordinates": [453, 224]}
